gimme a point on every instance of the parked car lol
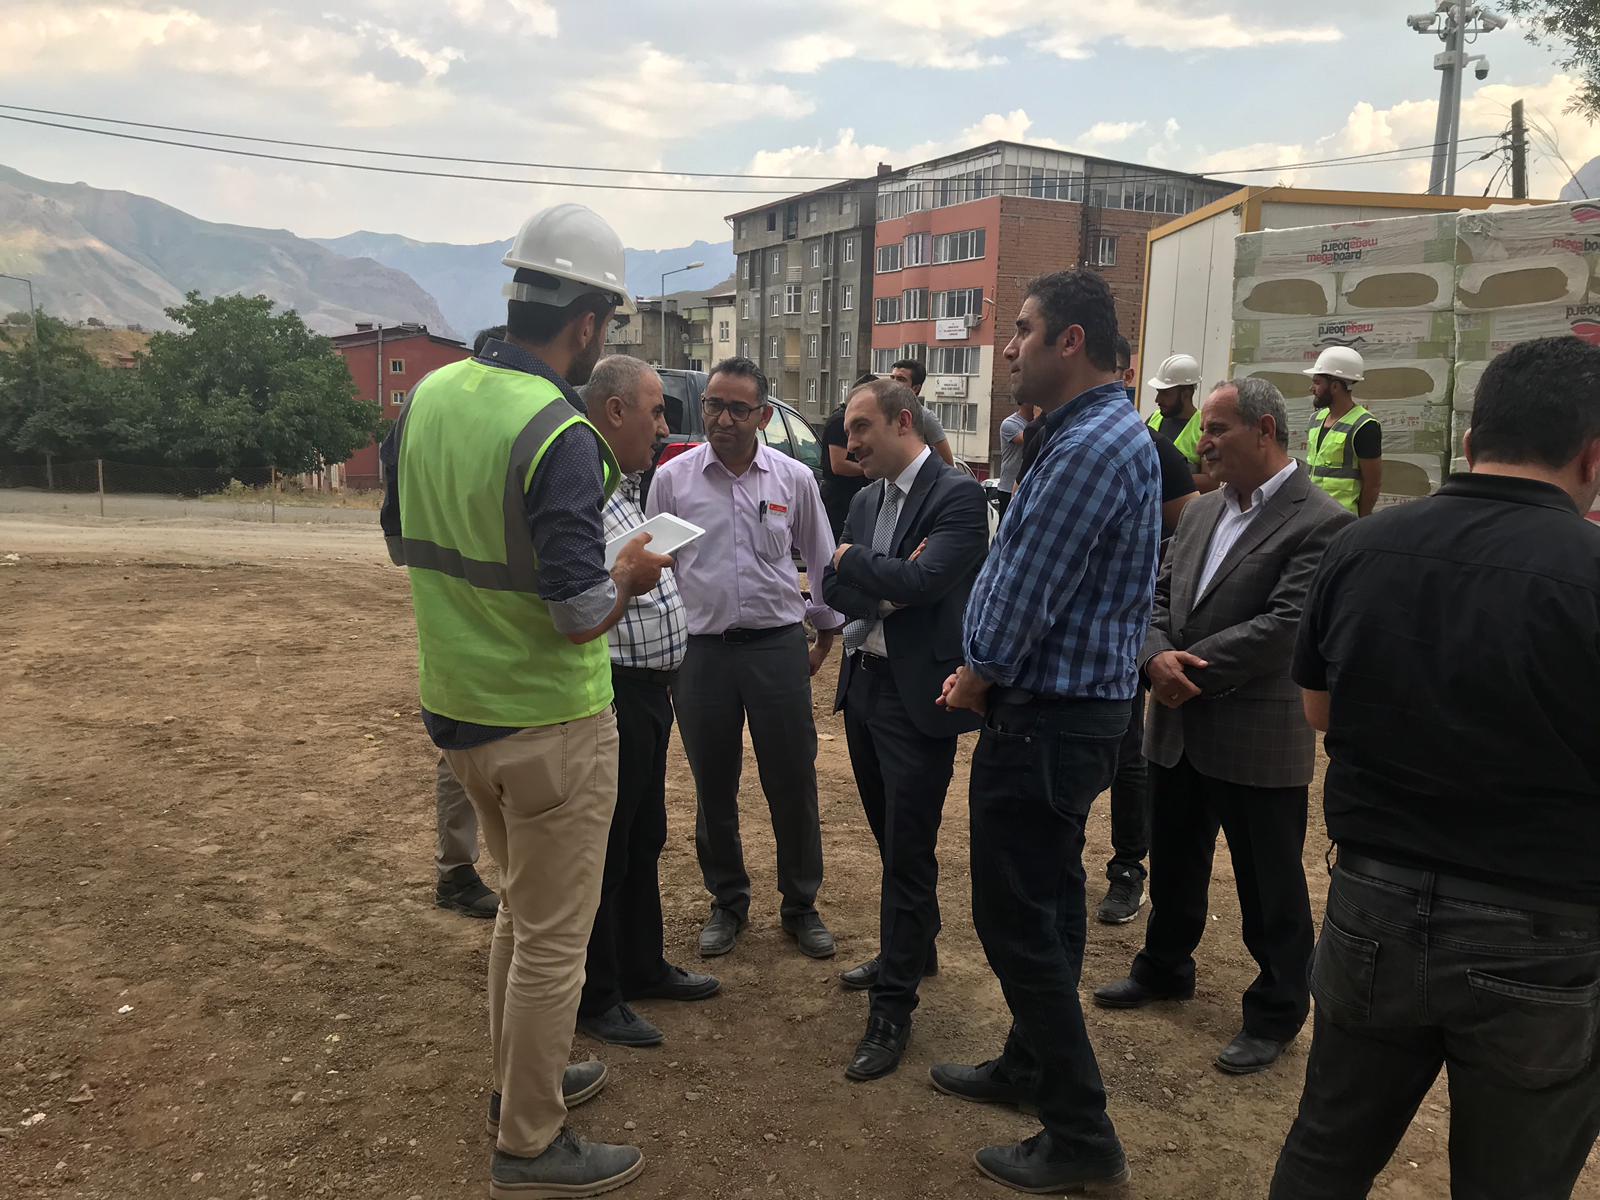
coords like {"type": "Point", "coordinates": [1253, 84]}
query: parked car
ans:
{"type": "Point", "coordinates": [787, 432]}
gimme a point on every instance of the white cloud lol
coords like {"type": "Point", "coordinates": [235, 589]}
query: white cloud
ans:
{"type": "Point", "coordinates": [532, 18]}
{"type": "Point", "coordinates": [848, 158]}
{"type": "Point", "coordinates": [1109, 133]}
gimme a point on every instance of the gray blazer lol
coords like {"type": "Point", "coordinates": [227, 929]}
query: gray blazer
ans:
{"type": "Point", "coordinates": [1247, 726]}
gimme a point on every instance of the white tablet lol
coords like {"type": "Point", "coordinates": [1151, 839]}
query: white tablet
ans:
{"type": "Point", "coordinates": [667, 533]}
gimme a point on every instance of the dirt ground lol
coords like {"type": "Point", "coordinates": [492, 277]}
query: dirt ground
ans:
{"type": "Point", "coordinates": [222, 974]}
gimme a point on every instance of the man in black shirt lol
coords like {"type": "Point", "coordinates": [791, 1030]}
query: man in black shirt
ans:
{"type": "Point", "coordinates": [1450, 648]}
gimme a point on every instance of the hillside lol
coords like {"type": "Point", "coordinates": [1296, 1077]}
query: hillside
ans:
{"type": "Point", "coordinates": [123, 258]}
{"type": "Point", "coordinates": [467, 280]}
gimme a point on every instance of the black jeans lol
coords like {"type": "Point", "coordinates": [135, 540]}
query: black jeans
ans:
{"type": "Point", "coordinates": [902, 776]}
{"type": "Point", "coordinates": [1505, 999]}
{"type": "Point", "coordinates": [1130, 799]}
{"type": "Point", "coordinates": [1036, 771]}
{"type": "Point", "coordinates": [625, 950]}
{"type": "Point", "coordinates": [1266, 830]}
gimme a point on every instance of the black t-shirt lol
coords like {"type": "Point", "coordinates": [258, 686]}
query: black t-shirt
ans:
{"type": "Point", "coordinates": [1368, 439]}
{"type": "Point", "coordinates": [838, 487]}
{"type": "Point", "coordinates": [1459, 639]}
{"type": "Point", "coordinates": [1177, 477]}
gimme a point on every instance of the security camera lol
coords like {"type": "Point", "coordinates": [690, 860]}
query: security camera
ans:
{"type": "Point", "coordinates": [1482, 69]}
{"type": "Point", "coordinates": [1421, 22]}
{"type": "Point", "coordinates": [1491, 20]}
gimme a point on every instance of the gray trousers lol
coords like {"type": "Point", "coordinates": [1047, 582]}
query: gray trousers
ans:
{"type": "Point", "coordinates": [458, 822]}
{"type": "Point", "coordinates": [768, 683]}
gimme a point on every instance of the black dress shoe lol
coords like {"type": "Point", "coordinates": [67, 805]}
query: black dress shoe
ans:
{"type": "Point", "coordinates": [811, 934]}
{"type": "Point", "coordinates": [1130, 993]}
{"type": "Point", "coordinates": [579, 1082]}
{"type": "Point", "coordinates": [1031, 1166]}
{"type": "Point", "coordinates": [1246, 1055]}
{"type": "Point", "coordinates": [619, 1025]}
{"type": "Point", "coordinates": [982, 1084]}
{"type": "Point", "coordinates": [678, 984]}
{"type": "Point", "coordinates": [859, 979]}
{"type": "Point", "coordinates": [879, 1050]}
{"type": "Point", "coordinates": [462, 891]}
{"type": "Point", "coordinates": [721, 932]}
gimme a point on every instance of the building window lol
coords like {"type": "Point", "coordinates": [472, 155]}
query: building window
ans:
{"type": "Point", "coordinates": [772, 346]}
{"type": "Point", "coordinates": [811, 346]}
{"type": "Point", "coordinates": [959, 247]}
{"type": "Point", "coordinates": [847, 297]}
{"type": "Point", "coordinates": [397, 397]}
{"type": "Point", "coordinates": [722, 331]}
{"type": "Point", "coordinates": [919, 249]}
{"type": "Point", "coordinates": [1105, 251]}
{"type": "Point", "coordinates": [744, 308]}
{"type": "Point", "coordinates": [844, 391]}
{"type": "Point", "coordinates": [777, 301]}
{"type": "Point", "coordinates": [397, 366]}
{"type": "Point", "coordinates": [915, 305]}
{"type": "Point", "coordinates": [954, 360]}
{"type": "Point", "coordinates": [791, 298]}
{"type": "Point", "coordinates": [772, 221]}
{"type": "Point", "coordinates": [816, 254]}
{"type": "Point", "coordinates": [749, 261]}
{"type": "Point", "coordinates": [886, 311]}
{"type": "Point", "coordinates": [744, 348]}
{"type": "Point", "coordinates": [811, 392]}
{"type": "Point", "coordinates": [850, 249]}
{"type": "Point", "coordinates": [888, 258]}
{"type": "Point", "coordinates": [957, 415]}
{"type": "Point", "coordinates": [959, 189]}
{"type": "Point", "coordinates": [777, 261]}
{"type": "Point", "coordinates": [916, 350]}
{"type": "Point", "coordinates": [959, 303]}
{"type": "Point", "coordinates": [844, 345]}
{"type": "Point", "coordinates": [883, 361]}
{"type": "Point", "coordinates": [811, 212]}
{"type": "Point", "coordinates": [816, 301]}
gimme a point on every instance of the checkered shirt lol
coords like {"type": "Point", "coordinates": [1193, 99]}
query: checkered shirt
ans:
{"type": "Point", "coordinates": [653, 632]}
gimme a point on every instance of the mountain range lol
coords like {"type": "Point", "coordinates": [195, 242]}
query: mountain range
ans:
{"type": "Point", "coordinates": [467, 280]}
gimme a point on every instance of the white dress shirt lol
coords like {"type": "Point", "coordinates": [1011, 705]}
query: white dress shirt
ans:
{"type": "Point", "coordinates": [875, 643]}
{"type": "Point", "coordinates": [1235, 520]}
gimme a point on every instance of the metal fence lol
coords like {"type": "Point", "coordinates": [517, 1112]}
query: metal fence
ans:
{"type": "Point", "coordinates": [101, 488]}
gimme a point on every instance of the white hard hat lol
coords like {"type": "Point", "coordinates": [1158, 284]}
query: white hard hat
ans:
{"type": "Point", "coordinates": [1339, 362]}
{"type": "Point", "coordinates": [574, 245]}
{"type": "Point", "coordinates": [1177, 370]}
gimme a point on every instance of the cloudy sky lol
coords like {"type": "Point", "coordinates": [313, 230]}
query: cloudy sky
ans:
{"type": "Point", "coordinates": [813, 88]}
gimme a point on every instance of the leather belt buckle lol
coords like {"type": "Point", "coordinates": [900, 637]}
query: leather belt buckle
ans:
{"type": "Point", "coordinates": [874, 664]}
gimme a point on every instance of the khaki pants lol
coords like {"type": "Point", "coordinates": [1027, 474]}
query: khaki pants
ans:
{"type": "Point", "coordinates": [544, 799]}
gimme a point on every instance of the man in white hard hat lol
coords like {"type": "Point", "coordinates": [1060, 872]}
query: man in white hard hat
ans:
{"type": "Point", "coordinates": [495, 483]}
{"type": "Point", "coordinates": [1176, 417]}
{"type": "Point", "coordinates": [1345, 451]}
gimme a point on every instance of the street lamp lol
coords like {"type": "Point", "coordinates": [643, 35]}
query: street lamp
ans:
{"type": "Point", "coordinates": [675, 271]}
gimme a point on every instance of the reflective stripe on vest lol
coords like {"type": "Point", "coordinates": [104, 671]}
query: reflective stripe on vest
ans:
{"type": "Point", "coordinates": [1332, 461]}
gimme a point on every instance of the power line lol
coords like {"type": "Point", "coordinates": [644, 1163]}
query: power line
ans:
{"type": "Point", "coordinates": [1373, 158]}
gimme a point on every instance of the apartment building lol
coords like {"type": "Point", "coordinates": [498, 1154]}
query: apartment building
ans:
{"type": "Point", "coordinates": [804, 288]}
{"type": "Point", "coordinates": [724, 323]}
{"type": "Point", "coordinates": [957, 237]}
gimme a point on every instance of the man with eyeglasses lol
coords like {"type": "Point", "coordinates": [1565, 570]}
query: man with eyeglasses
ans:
{"type": "Point", "coordinates": [747, 659]}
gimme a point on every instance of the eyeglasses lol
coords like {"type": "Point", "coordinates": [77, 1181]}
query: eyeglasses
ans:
{"type": "Point", "coordinates": [739, 412]}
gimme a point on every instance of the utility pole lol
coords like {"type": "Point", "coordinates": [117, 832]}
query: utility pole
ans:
{"type": "Point", "coordinates": [1457, 24]}
{"type": "Point", "coordinates": [675, 271]}
{"type": "Point", "coordinates": [1519, 153]}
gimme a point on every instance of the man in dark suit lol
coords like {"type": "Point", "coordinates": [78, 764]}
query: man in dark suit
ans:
{"type": "Point", "coordinates": [911, 548]}
{"type": "Point", "coordinates": [1228, 741]}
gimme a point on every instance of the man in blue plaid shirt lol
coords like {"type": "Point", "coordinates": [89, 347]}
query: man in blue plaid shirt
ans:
{"type": "Point", "coordinates": [1052, 628]}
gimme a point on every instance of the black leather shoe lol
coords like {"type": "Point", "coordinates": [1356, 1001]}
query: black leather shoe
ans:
{"type": "Point", "coordinates": [811, 934]}
{"type": "Point", "coordinates": [720, 933]}
{"type": "Point", "coordinates": [1246, 1055]}
{"type": "Point", "coordinates": [678, 984]}
{"type": "Point", "coordinates": [879, 1050]}
{"type": "Point", "coordinates": [462, 891]}
{"type": "Point", "coordinates": [1030, 1166]}
{"type": "Point", "coordinates": [1130, 993]}
{"type": "Point", "coordinates": [619, 1025]}
{"type": "Point", "coordinates": [580, 1082]}
{"type": "Point", "coordinates": [859, 979]}
{"type": "Point", "coordinates": [982, 1084]}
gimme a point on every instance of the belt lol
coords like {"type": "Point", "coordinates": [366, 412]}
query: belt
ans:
{"type": "Point", "coordinates": [739, 637]}
{"type": "Point", "coordinates": [1453, 887]}
{"type": "Point", "coordinates": [873, 664]}
{"type": "Point", "coordinates": [644, 674]}
{"type": "Point", "coordinates": [1022, 698]}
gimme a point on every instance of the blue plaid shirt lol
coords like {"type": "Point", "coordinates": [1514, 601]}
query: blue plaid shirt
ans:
{"type": "Point", "coordinates": [1063, 601]}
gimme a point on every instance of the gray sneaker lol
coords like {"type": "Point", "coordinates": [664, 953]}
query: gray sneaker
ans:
{"type": "Point", "coordinates": [568, 1167]}
{"type": "Point", "coordinates": [579, 1083]}
{"type": "Point", "coordinates": [1123, 900]}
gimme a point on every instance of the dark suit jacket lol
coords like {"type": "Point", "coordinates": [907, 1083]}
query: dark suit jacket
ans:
{"type": "Point", "coordinates": [947, 508]}
{"type": "Point", "coordinates": [1247, 726]}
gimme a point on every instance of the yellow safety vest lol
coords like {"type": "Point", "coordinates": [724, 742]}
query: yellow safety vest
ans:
{"type": "Point", "coordinates": [1332, 461]}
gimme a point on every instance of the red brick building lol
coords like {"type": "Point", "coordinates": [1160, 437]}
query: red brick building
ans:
{"type": "Point", "coordinates": [957, 238]}
{"type": "Point", "coordinates": [386, 363]}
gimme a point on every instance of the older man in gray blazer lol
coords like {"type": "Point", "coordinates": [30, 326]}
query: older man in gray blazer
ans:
{"type": "Point", "coordinates": [1227, 740]}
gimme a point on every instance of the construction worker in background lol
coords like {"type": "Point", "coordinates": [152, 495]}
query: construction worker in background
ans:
{"type": "Point", "coordinates": [495, 487]}
{"type": "Point", "coordinates": [1176, 418]}
{"type": "Point", "coordinates": [1345, 451]}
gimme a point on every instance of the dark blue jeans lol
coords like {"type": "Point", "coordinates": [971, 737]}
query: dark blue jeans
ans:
{"type": "Point", "coordinates": [1506, 999]}
{"type": "Point", "coordinates": [1036, 770]}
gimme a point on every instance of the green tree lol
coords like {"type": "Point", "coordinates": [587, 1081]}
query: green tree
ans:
{"type": "Point", "coordinates": [1574, 26]}
{"type": "Point", "coordinates": [56, 399]}
{"type": "Point", "coordinates": [244, 388]}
